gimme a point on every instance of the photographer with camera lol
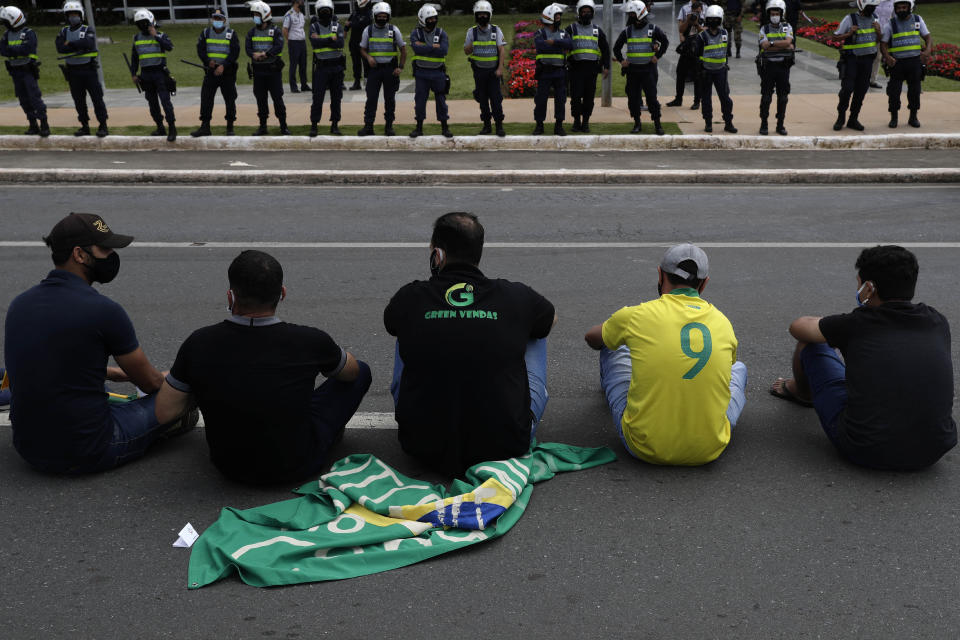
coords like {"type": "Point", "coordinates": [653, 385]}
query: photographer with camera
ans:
{"type": "Point", "coordinates": [689, 25]}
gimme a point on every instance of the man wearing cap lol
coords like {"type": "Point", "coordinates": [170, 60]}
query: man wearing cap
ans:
{"type": "Point", "coordinates": [669, 368]}
{"type": "Point", "coordinates": [59, 335]}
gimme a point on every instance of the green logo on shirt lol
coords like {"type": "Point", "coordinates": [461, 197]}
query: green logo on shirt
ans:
{"type": "Point", "coordinates": [460, 295]}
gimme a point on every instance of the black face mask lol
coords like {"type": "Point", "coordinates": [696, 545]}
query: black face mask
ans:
{"type": "Point", "coordinates": [868, 11]}
{"type": "Point", "coordinates": [713, 23]}
{"type": "Point", "coordinates": [325, 17]}
{"type": "Point", "coordinates": [483, 20]}
{"type": "Point", "coordinates": [586, 17]}
{"type": "Point", "coordinates": [104, 269]}
{"type": "Point", "coordinates": [144, 26]}
{"type": "Point", "coordinates": [430, 24]}
{"type": "Point", "coordinates": [380, 22]}
{"type": "Point", "coordinates": [903, 15]}
{"type": "Point", "coordinates": [642, 23]}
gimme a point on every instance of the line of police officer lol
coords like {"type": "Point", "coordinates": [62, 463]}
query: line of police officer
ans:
{"type": "Point", "coordinates": [572, 57]}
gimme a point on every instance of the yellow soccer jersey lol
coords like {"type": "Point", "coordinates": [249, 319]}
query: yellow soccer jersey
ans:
{"type": "Point", "coordinates": [681, 351]}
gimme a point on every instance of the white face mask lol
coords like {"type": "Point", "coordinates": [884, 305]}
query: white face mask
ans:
{"type": "Point", "coordinates": [774, 19]}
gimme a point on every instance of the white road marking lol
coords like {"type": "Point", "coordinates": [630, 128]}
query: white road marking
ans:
{"type": "Point", "coordinates": [360, 420]}
{"type": "Point", "coordinates": [509, 245]}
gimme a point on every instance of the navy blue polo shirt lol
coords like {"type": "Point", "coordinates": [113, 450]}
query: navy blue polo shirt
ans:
{"type": "Point", "coordinates": [59, 335]}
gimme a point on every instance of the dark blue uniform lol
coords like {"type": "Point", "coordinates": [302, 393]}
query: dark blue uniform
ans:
{"type": "Point", "coordinates": [326, 43]}
{"type": "Point", "coordinates": [267, 73]}
{"type": "Point", "coordinates": [551, 73]}
{"type": "Point", "coordinates": [80, 43]}
{"type": "Point", "coordinates": [223, 49]}
{"type": "Point", "coordinates": [20, 46]}
{"type": "Point", "coordinates": [149, 54]}
{"type": "Point", "coordinates": [429, 71]}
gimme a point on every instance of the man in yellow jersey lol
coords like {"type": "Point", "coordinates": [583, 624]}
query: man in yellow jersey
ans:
{"type": "Point", "coordinates": [669, 367]}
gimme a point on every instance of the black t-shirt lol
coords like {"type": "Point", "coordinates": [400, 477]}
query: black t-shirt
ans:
{"type": "Point", "coordinates": [254, 385]}
{"type": "Point", "coordinates": [899, 384]}
{"type": "Point", "coordinates": [464, 394]}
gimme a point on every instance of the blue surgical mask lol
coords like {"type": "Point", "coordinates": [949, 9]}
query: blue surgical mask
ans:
{"type": "Point", "coordinates": [219, 24]}
{"type": "Point", "coordinates": [257, 20]}
{"type": "Point", "coordinates": [861, 303]}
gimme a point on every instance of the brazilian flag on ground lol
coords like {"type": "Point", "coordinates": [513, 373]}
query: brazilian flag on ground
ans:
{"type": "Point", "coordinates": [363, 517]}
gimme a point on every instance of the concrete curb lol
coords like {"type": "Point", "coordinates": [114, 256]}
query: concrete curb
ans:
{"type": "Point", "coordinates": [485, 143]}
{"type": "Point", "coordinates": [493, 176]}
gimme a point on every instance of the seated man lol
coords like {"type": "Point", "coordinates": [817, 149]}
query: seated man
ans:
{"type": "Point", "coordinates": [888, 403]}
{"type": "Point", "coordinates": [469, 380]}
{"type": "Point", "coordinates": [59, 335]}
{"type": "Point", "coordinates": [669, 368]}
{"type": "Point", "coordinates": [253, 377]}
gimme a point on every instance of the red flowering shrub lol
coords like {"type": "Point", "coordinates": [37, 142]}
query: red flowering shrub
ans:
{"type": "Point", "coordinates": [522, 61]}
{"type": "Point", "coordinates": [821, 31]}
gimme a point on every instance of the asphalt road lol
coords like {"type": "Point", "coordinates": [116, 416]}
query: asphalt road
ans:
{"type": "Point", "coordinates": [778, 538]}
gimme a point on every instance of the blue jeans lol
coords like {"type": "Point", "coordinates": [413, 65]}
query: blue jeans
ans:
{"type": "Point", "coordinates": [827, 377]}
{"type": "Point", "coordinates": [616, 371]}
{"type": "Point", "coordinates": [535, 358]}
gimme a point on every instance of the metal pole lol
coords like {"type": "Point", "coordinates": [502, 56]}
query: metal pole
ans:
{"type": "Point", "coordinates": [606, 85]}
{"type": "Point", "coordinates": [88, 9]}
{"type": "Point", "coordinates": [226, 11]}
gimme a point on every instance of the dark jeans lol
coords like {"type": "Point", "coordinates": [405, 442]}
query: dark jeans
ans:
{"type": "Point", "coordinates": [298, 58]}
{"type": "Point", "coordinates": [153, 81]}
{"type": "Point", "coordinates": [227, 84]}
{"type": "Point", "coordinates": [83, 81]}
{"type": "Point", "coordinates": [28, 92]}
{"type": "Point", "coordinates": [381, 75]}
{"type": "Point", "coordinates": [487, 92]}
{"type": "Point", "coordinates": [583, 88]}
{"type": "Point", "coordinates": [644, 80]}
{"type": "Point", "coordinates": [685, 66]}
{"type": "Point", "coordinates": [855, 82]}
{"type": "Point", "coordinates": [428, 80]}
{"type": "Point", "coordinates": [774, 76]}
{"type": "Point", "coordinates": [911, 70]}
{"type": "Point", "coordinates": [717, 79]}
{"type": "Point", "coordinates": [326, 77]}
{"type": "Point", "coordinates": [556, 78]}
{"type": "Point", "coordinates": [265, 82]}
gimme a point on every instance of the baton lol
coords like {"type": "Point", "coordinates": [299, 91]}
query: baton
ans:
{"type": "Point", "coordinates": [136, 82]}
{"type": "Point", "coordinates": [194, 64]}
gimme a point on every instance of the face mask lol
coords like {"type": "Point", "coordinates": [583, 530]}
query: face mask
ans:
{"type": "Point", "coordinates": [104, 270]}
{"type": "Point", "coordinates": [903, 15]}
{"type": "Point", "coordinates": [642, 23]}
{"type": "Point", "coordinates": [586, 17]}
{"type": "Point", "coordinates": [219, 24]}
{"type": "Point", "coordinates": [483, 20]}
{"type": "Point", "coordinates": [257, 20]}
{"type": "Point", "coordinates": [380, 22]}
{"type": "Point", "coordinates": [861, 303]}
{"type": "Point", "coordinates": [431, 24]}
{"type": "Point", "coordinates": [713, 23]}
{"type": "Point", "coordinates": [774, 19]}
{"type": "Point", "coordinates": [144, 26]}
{"type": "Point", "coordinates": [868, 11]}
{"type": "Point", "coordinates": [325, 17]}
{"type": "Point", "coordinates": [74, 21]}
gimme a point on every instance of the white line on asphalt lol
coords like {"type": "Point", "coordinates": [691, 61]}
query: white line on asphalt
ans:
{"type": "Point", "coordinates": [360, 420]}
{"type": "Point", "coordinates": [510, 245]}
{"type": "Point", "coordinates": [552, 187]}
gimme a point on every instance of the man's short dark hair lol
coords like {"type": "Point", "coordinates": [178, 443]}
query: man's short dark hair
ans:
{"type": "Point", "coordinates": [460, 235]}
{"type": "Point", "coordinates": [679, 281]}
{"type": "Point", "coordinates": [891, 268]}
{"type": "Point", "coordinates": [256, 279]}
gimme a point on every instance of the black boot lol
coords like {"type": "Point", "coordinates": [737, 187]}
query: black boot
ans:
{"type": "Point", "coordinates": [894, 117]}
{"type": "Point", "coordinates": [417, 130]}
{"type": "Point", "coordinates": [388, 129]}
{"type": "Point", "coordinates": [728, 127]}
{"type": "Point", "coordinates": [334, 129]}
{"type": "Point", "coordinates": [160, 130]}
{"type": "Point", "coordinates": [538, 130]}
{"type": "Point", "coordinates": [558, 129]}
{"type": "Point", "coordinates": [262, 129]}
{"type": "Point", "coordinates": [445, 130]}
{"type": "Point", "coordinates": [500, 132]}
{"type": "Point", "coordinates": [738, 51]}
{"type": "Point", "coordinates": [763, 127]}
{"type": "Point", "coordinates": [102, 131]}
{"type": "Point", "coordinates": [313, 130]}
{"type": "Point", "coordinates": [45, 128]}
{"type": "Point", "coordinates": [657, 128]}
{"type": "Point", "coordinates": [284, 131]}
{"type": "Point", "coordinates": [171, 132]}
{"type": "Point", "coordinates": [708, 126]}
{"type": "Point", "coordinates": [230, 130]}
{"type": "Point", "coordinates": [366, 130]}
{"type": "Point", "coordinates": [913, 122]}
{"type": "Point", "coordinates": [695, 105]}
{"type": "Point", "coordinates": [841, 120]}
{"type": "Point", "coordinates": [576, 124]}
{"type": "Point", "coordinates": [676, 102]}
{"type": "Point", "coordinates": [486, 130]}
{"type": "Point", "coordinates": [84, 130]}
{"type": "Point", "coordinates": [204, 130]}
{"type": "Point", "coordinates": [853, 123]}
{"type": "Point", "coordinates": [636, 126]}
{"type": "Point", "coordinates": [355, 86]}
{"type": "Point", "coordinates": [33, 128]}
{"type": "Point", "coordinates": [781, 130]}
{"type": "Point", "coordinates": [585, 124]}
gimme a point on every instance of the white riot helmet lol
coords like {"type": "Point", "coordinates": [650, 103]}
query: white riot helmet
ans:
{"type": "Point", "coordinates": [550, 13]}
{"type": "Point", "coordinates": [323, 4]}
{"type": "Point", "coordinates": [426, 11]}
{"type": "Point", "coordinates": [637, 7]}
{"type": "Point", "coordinates": [13, 17]}
{"type": "Point", "coordinates": [362, 3]}
{"type": "Point", "coordinates": [261, 9]}
{"type": "Point", "coordinates": [482, 6]}
{"type": "Point", "coordinates": [585, 3]}
{"type": "Point", "coordinates": [863, 4]}
{"type": "Point", "coordinates": [909, 2]}
{"type": "Point", "coordinates": [73, 5]}
{"type": "Point", "coordinates": [716, 11]}
{"type": "Point", "coordinates": [142, 15]}
{"type": "Point", "coordinates": [382, 7]}
{"type": "Point", "coordinates": [776, 4]}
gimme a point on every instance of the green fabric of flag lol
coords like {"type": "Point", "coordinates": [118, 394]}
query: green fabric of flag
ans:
{"type": "Point", "coordinates": [364, 517]}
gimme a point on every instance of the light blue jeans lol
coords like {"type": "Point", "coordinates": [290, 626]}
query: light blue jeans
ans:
{"type": "Point", "coordinates": [536, 361]}
{"type": "Point", "coordinates": [616, 371]}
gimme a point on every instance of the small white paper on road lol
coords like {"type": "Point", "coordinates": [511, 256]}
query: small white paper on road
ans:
{"type": "Point", "coordinates": [188, 535]}
{"type": "Point", "coordinates": [240, 163]}
{"type": "Point", "coordinates": [119, 162]}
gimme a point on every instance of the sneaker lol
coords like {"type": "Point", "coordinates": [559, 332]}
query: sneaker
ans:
{"type": "Point", "coordinates": [184, 425]}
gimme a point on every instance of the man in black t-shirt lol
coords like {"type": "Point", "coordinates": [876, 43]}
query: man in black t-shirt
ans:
{"type": "Point", "coordinates": [888, 404]}
{"type": "Point", "coordinates": [469, 378]}
{"type": "Point", "coordinates": [253, 377]}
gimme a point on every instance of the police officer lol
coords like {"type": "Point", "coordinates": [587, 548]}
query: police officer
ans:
{"type": "Point", "coordinates": [776, 58]}
{"type": "Point", "coordinates": [79, 42]}
{"type": "Point", "coordinates": [590, 54]}
{"type": "Point", "coordinates": [326, 41]}
{"type": "Point", "coordinates": [430, 45]}
{"type": "Point", "coordinates": [485, 46]}
{"type": "Point", "coordinates": [552, 46]}
{"type": "Point", "coordinates": [905, 47]}
{"type": "Point", "coordinates": [19, 44]}
{"type": "Point", "coordinates": [149, 53]}
{"type": "Point", "coordinates": [358, 21]}
{"type": "Point", "coordinates": [711, 47]}
{"type": "Point", "coordinates": [381, 44]}
{"type": "Point", "coordinates": [218, 49]}
{"type": "Point", "coordinates": [861, 33]}
{"type": "Point", "coordinates": [265, 47]}
{"type": "Point", "coordinates": [646, 43]}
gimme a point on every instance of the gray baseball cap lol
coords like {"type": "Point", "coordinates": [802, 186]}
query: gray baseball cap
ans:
{"type": "Point", "coordinates": [678, 253]}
